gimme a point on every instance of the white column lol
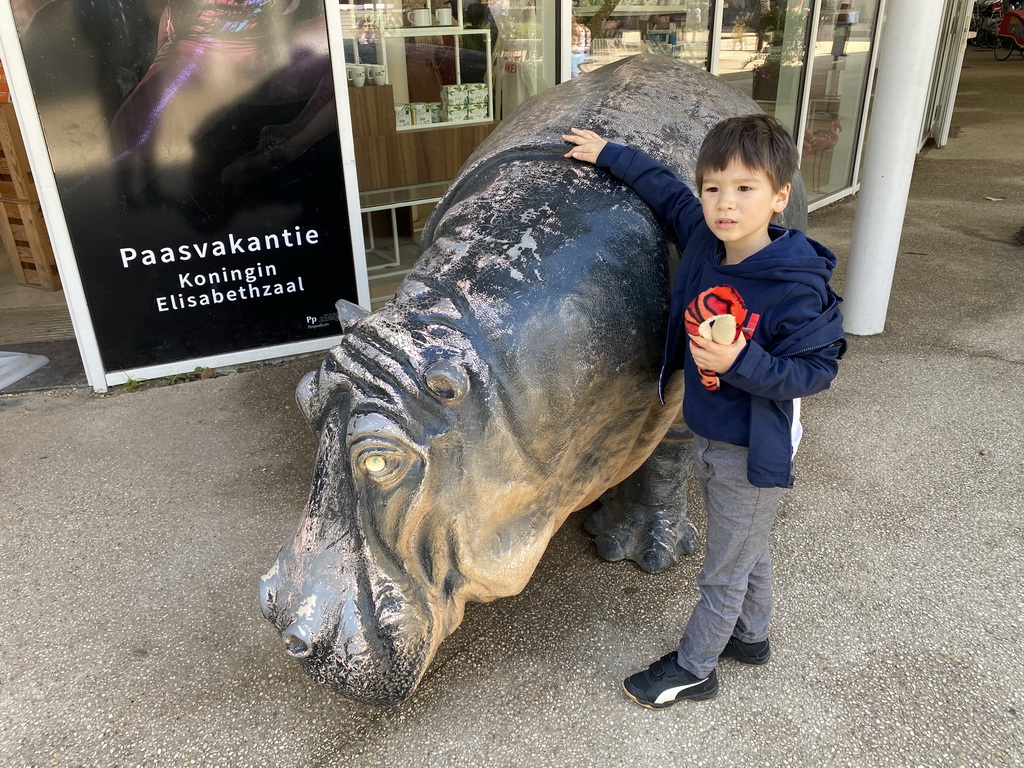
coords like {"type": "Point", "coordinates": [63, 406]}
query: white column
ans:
{"type": "Point", "coordinates": [906, 60]}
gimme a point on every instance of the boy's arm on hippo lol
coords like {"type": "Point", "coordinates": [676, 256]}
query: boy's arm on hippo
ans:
{"type": "Point", "coordinates": [669, 197]}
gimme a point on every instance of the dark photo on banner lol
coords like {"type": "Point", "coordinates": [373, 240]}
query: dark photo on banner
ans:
{"type": "Point", "coordinates": [194, 146]}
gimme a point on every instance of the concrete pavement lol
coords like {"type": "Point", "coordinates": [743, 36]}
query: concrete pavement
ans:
{"type": "Point", "coordinates": [134, 528]}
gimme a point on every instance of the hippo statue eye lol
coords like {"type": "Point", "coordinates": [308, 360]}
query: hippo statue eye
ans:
{"type": "Point", "coordinates": [374, 464]}
{"type": "Point", "coordinates": [382, 462]}
{"type": "Point", "coordinates": [448, 380]}
{"type": "Point", "coordinates": [379, 451]}
{"type": "Point", "coordinates": [379, 464]}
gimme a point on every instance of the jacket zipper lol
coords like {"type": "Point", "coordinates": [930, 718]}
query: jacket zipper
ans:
{"type": "Point", "coordinates": [810, 349]}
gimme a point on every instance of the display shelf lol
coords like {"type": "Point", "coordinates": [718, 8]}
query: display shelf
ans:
{"type": "Point", "coordinates": [444, 124]}
{"type": "Point", "coordinates": [386, 262]}
{"type": "Point", "coordinates": [374, 38]}
{"type": "Point", "coordinates": [632, 10]}
{"type": "Point", "coordinates": [413, 194]}
{"type": "Point", "coordinates": [426, 31]}
{"type": "Point", "coordinates": [402, 167]}
{"type": "Point", "coordinates": [457, 33]}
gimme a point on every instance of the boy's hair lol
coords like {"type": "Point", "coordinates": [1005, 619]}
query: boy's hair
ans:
{"type": "Point", "coordinates": [759, 141]}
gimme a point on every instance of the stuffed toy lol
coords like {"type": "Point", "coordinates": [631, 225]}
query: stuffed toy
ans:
{"type": "Point", "coordinates": [718, 314]}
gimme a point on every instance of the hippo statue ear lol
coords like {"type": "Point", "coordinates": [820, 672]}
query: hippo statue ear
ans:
{"type": "Point", "coordinates": [348, 313]}
{"type": "Point", "coordinates": [320, 390]}
{"type": "Point", "coordinates": [447, 379]}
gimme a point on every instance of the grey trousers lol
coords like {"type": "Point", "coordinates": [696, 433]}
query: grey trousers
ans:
{"type": "Point", "coordinates": [735, 581]}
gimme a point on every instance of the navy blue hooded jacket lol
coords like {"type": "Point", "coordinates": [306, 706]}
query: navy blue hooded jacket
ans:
{"type": "Point", "coordinates": [795, 346]}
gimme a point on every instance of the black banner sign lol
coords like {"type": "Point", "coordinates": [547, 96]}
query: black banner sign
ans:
{"type": "Point", "coordinates": [194, 145]}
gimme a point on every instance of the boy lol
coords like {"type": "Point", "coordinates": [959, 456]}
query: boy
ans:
{"type": "Point", "coordinates": [741, 398]}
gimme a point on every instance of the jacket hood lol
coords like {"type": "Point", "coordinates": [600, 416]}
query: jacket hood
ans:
{"type": "Point", "coordinates": [791, 257]}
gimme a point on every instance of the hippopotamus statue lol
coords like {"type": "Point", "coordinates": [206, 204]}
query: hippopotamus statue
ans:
{"type": "Point", "coordinates": [511, 381]}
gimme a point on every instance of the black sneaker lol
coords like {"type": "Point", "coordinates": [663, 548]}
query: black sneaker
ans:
{"type": "Point", "coordinates": [665, 683]}
{"type": "Point", "coordinates": [747, 653]}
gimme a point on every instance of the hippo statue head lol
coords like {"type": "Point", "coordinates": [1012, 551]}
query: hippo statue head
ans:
{"type": "Point", "coordinates": [393, 541]}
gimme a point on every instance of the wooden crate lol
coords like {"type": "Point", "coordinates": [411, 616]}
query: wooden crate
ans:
{"type": "Point", "coordinates": [22, 228]}
{"type": "Point", "coordinates": [27, 243]}
{"type": "Point", "coordinates": [16, 182]}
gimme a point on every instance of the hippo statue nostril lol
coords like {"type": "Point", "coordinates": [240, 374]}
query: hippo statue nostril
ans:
{"type": "Point", "coordinates": [296, 646]}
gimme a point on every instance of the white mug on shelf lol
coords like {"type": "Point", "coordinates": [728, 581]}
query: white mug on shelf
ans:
{"type": "Point", "coordinates": [421, 17]}
{"type": "Point", "coordinates": [377, 73]}
{"type": "Point", "coordinates": [357, 76]}
{"type": "Point", "coordinates": [444, 16]}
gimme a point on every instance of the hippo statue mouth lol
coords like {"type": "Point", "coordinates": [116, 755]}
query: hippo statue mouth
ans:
{"type": "Point", "coordinates": [361, 635]}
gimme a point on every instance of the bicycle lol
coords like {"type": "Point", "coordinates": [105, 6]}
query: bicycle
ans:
{"type": "Point", "coordinates": [1011, 35]}
{"type": "Point", "coordinates": [985, 23]}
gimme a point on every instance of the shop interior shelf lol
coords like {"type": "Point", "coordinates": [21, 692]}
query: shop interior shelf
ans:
{"type": "Point", "coordinates": [397, 197]}
{"type": "Point", "coordinates": [435, 29]}
{"type": "Point", "coordinates": [444, 124]}
{"type": "Point", "coordinates": [394, 257]}
{"type": "Point", "coordinates": [651, 9]}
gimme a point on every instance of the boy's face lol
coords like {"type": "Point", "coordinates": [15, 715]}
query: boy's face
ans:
{"type": "Point", "coordinates": [738, 204]}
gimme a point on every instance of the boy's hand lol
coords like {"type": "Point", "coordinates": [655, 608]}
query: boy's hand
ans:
{"type": "Point", "coordinates": [588, 145]}
{"type": "Point", "coordinates": [714, 356]}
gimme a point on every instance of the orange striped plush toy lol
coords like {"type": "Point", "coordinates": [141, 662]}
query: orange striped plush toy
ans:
{"type": "Point", "coordinates": [718, 315]}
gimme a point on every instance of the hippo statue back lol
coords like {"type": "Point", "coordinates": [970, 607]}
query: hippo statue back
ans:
{"type": "Point", "coordinates": [650, 102]}
{"type": "Point", "coordinates": [511, 381]}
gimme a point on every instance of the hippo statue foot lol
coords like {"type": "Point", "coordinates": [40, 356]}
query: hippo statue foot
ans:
{"type": "Point", "coordinates": [643, 519]}
{"type": "Point", "coordinates": [653, 538]}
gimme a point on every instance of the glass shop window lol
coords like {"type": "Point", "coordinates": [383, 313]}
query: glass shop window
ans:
{"type": "Point", "coordinates": [428, 80]}
{"type": "Point", "coordinates": [840, 68]}
{"type": "Point", "coordinates": [763, 51]}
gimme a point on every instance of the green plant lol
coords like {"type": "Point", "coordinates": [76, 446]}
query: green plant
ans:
{"type": "Point", "coordinates": [132, 384]}
{"type": "Point", "coordinates": [766, 72]}
{"type": "Point", "coordinates": [778, 49]}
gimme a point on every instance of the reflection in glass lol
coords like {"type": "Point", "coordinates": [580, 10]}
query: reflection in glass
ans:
{"type": "Point", "coordinates": [764, 49]}
{"type": "Point", "coordinates": [620, 28]}
{"type": "Point", "coordinates": [764, 43]}
{"type": "Point", "coordinates": [841, 64]}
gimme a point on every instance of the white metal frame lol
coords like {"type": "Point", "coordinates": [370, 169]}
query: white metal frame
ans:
{"type": "Point", "coordinates": [952, 45]}
{"type": "Point", "coordinates": [869, 89]}
{"type": "Point", "coordinates": [564, 63]}
{"type": "Point", "coordinates": [428, 195]}
{"type": "Point", "coordinates": [805, 86]}
{"type": "Point", "coordinates": [336, 46]}
{"type": "Point", "coordinates": [715, 43]}
{"type": "Point", "coordinates": [98, 377]}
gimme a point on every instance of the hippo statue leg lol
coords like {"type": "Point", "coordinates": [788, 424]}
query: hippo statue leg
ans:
{"type": "Point", "coordinates": [643, 518]}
